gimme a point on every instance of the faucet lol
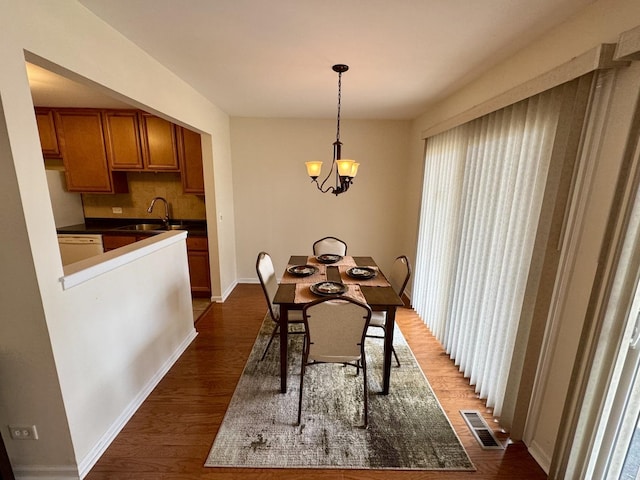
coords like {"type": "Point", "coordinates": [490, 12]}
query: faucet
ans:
{"type": "Point", "coordinates": [165, 219]}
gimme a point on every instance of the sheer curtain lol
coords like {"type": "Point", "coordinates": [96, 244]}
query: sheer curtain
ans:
{"type": "Point", "coordinates": [483, 188]}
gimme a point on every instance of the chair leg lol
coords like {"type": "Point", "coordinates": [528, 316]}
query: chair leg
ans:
{"type": "Point", "coordinates": [302, 371]}
{"type": "Point", "coordinates": [366, 392]}
{"type": "Point", "coordinates": [393, 350]}
{"type": "Point", "coordinates": [273, 334]}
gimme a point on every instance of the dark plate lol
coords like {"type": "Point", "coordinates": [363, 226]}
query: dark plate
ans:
{"type": "Point", "coordinates": [328, 288]}
{"type": "Point", "coordinates": [302, 270]}
{"type": "Point", "coordinates": [364, 273]}
{"type": "Point", "coordinates": [328, 258]}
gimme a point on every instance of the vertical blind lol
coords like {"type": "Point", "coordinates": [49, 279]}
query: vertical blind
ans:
{"type": "Point", "coordinates": [482, 194]}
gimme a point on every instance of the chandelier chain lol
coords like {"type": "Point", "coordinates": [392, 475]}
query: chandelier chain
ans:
{"type": "Point", "coordinates": [339, 103]}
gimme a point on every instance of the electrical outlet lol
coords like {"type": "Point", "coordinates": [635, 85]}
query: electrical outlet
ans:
{"type": "Point", "coordinates": [23, 432]}
{"type": "Point", "coordinates": [116, 209]}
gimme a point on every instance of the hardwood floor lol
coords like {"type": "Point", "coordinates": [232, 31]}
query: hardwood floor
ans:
{"type": "Point", "coordinates": [169, 437]}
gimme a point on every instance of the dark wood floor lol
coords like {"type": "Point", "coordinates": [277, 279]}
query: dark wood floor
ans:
{"type": "Point", "coordinates": [171, 434]}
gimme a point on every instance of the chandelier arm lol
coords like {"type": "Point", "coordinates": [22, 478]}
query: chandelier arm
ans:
{"type": "Point", "coordinates": [326, 190]}
{"type": "Point", "coordinates": [321, 185]}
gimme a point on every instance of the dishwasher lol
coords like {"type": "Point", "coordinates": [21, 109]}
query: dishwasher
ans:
{"type": "Point", "coordinates": [76, 247]}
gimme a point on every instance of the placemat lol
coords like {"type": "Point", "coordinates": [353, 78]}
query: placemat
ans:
{"type": "Point", "coordinates": [346, 261]}
{"type": "Point", "coordinates": [319, 276]}
{"type": "Point", "coordinates": [304, 294]}
{"type": "Point", "coordinates": [378, 281]}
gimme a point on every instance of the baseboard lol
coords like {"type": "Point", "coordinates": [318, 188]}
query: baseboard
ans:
{"type": "Point", "coordinates": [540, 456]}
{"type": "Point", "coordinates": [48, 472]}
{"type": "Point", "coordinates": [87, 463]}
{"type": "Point", "coordinates": [227, 292]}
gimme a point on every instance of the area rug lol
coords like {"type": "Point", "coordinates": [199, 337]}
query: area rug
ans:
{"type": "Point", "coordinates": [408, 429]}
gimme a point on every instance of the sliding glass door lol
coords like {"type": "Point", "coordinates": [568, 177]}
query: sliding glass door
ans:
{"type": "Point", "coordinates": [619, 456]}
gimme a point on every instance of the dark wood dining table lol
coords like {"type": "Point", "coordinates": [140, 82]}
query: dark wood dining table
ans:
{"type": "Point", "coordinates": [379, 298]}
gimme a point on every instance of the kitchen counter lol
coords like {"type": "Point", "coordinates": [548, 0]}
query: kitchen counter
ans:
{"type": "Point", "coordinates": [195, 228]}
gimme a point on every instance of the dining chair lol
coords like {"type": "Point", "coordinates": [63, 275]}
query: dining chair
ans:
{"type": "Point", "coordinates": [398, 278]}
{"type": "Point", "coordinates": [329, 245]}
{"type": "Point", "coordinates": [335, 329]}
{"type": "Point", "coordinates": [267, 276]}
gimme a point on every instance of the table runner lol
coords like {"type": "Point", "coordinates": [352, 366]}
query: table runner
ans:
{"type": "Point", "coordinates": [343, 265]}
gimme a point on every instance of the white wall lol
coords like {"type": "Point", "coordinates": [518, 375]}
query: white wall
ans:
{"type": "Point", "coordinates": [280, 211]}
{"type": "Point", "coordinates": [115, 336]}
{"type": "Point", "coordinates": [61, 350]}
{"type": "Point", "coordinates": [67, 206]}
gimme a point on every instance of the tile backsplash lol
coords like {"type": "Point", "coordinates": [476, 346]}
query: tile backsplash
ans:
{"type": "Point", "coordinates": [143, 187]}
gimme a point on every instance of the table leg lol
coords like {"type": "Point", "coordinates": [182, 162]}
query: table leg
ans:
{"type": "Point", "coordinates": [284, 343]}
{"type": "Point", "coordinates": [388, 349]}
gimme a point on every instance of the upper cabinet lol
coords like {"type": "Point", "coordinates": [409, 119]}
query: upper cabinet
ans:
{"type": "Point", "coordinates": [81, 140]}
{"type": "Point", "coordinates": [98, 147]}
{"type": "Point", "coordinates": [140, 142]}
{"type": "Point", "coordinates": [190, 153]}
{"type": "Point", "coordinates": [159, 148]}
{"type": "Point", "coordinates": [122, 139]}
{"type": "Point", "coordinates": [47, 131]}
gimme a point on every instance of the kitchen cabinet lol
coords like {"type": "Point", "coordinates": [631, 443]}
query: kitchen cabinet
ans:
{"type": "Point", "coordinates": [190, 154]}
{"type": "Point", "coordinates": [122, 139]}
{"type": "Point", "coordinates": [81, 141]}
{"type": "Point", "coordinates": [159, 146]}
{"type": "Point", "coordinates": [98, 147]}
{"type": "Point", "coordinates": [112, 241]}
{"type": "Point", "coordinates": [47, 132]}
{"type": "Point", "coordinates": [198, 258]}
{"type": "Point", "coordinates": [138, 141]}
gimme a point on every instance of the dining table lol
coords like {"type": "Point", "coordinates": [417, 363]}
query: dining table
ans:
{"type": "Point", "coordinates": [295, 291]}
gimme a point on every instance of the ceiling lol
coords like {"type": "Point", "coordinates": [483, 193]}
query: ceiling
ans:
{"type": "Point", "coordinates": [258, 58]}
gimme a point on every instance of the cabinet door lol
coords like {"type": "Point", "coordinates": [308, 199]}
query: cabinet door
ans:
{"type": "Point", "coordinates": [47, 131]}
{"type": "Point", "coordinates": [122, 139]}
{"type": "Point", "coordinates": [159, 149]}
{"type": "Point", "coordinates": [199, 273]}
{"type": "Point", "coordinates": [198, 259]}
{"type": "Point", "coordinates": [84, 156]}
{"type": "Point", "coordinates": [190, 152]}
{"type": "Point", "coordinates": [111, 242]}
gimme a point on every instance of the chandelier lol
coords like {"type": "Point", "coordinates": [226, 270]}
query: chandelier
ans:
{"type": "Point", "coordinates": [345, 170]}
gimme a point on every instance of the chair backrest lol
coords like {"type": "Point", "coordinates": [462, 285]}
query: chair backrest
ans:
{"type": "Point", "coordinates": [267, 276]}
{"type": "Point", "coordinates": [400, 273]}
{"type": "Point", "coordinates": [330, 245]}
{"type": "Point", "coordinates": [336, 328]}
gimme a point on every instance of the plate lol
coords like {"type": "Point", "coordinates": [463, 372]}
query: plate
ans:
{"type": "Point", "coordinates": [328, 258]}
{"type": "Point", "coordinates": [328, 288]}
{"type": "Point", "coordinates": [302, 270]}
{"type": "Point", "coordinates": [362, 272]}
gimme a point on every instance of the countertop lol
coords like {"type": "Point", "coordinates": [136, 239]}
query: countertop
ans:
{"type": "Point", "coordinates": [95, 226]}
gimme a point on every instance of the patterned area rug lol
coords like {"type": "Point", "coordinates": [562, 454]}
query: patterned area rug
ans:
{"type": "Point", "coordinates": [407, 428]}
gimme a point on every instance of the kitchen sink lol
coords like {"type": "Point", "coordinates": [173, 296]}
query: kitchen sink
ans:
{"type": "Point", "coordinates": [150, 227]}
{"type": "Point", "coordinates": [143, 226]}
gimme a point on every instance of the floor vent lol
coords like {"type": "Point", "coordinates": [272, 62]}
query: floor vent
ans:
{"type": "Point", "coordinates": [480, 429]}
